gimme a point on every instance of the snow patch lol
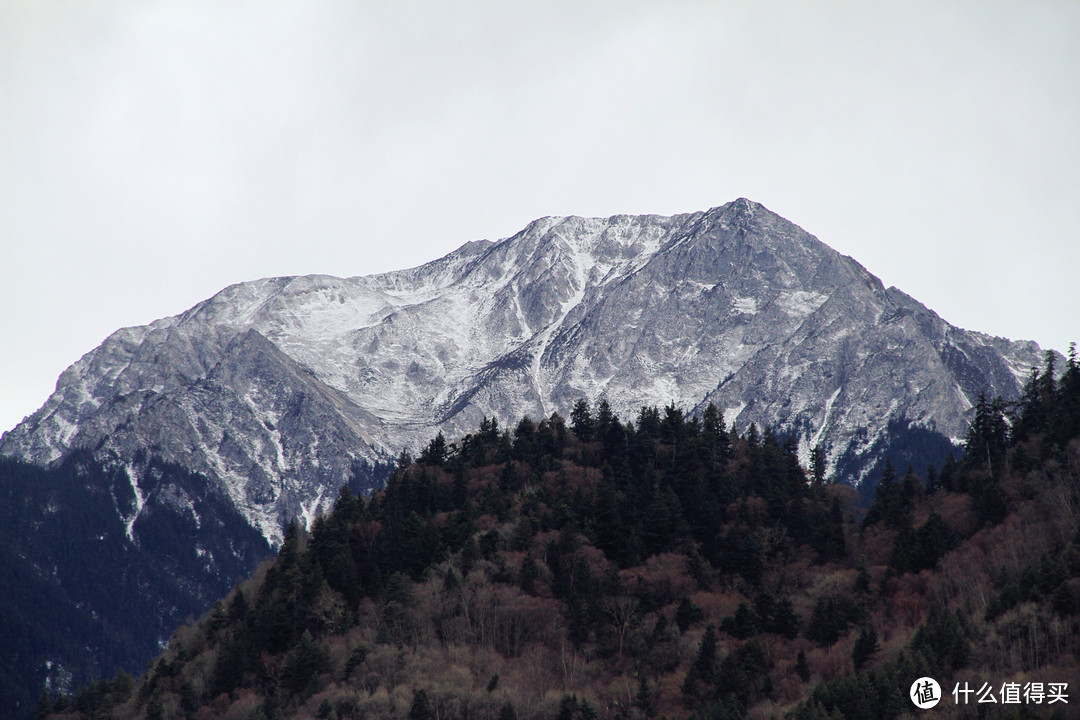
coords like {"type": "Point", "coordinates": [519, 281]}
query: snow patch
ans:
{"type": "Point", "coordinates": [140, 501]}
{"type": "Point", "coordinates": [800, 303]}
{"type": "Point", "coordinates": [825, 420]}
{"type": "Point", "coordinates": [732, 414]}
{"type": "Point", "coordinates": [309, 510]}
{"type": "Point", "coordinates": [745, 305]}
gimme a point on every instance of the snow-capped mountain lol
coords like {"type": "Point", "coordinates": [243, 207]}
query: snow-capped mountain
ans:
{"type": "Point", "coordinates": [278, 389]}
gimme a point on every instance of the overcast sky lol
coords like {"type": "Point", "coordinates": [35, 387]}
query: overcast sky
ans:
{"type": "Point", "coordinates": [154, 151]}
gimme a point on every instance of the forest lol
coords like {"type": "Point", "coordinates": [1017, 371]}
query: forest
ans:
{"type": "Point", "coordinates": [666, 566]}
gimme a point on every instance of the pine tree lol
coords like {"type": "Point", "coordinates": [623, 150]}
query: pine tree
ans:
{"type": "Point", "coordinates": [643, 701]}
{"type": "Point", "coordinates": [581, 421]}
{"type": "Point", "coordinates": [802, 668]}
{"type": "Point", "coordinates": [865, 646]}
{"type": "Point", "coordinates": [687, 614]}
{"type": "Point", "coordinates": [421, 707]}
{"type": "Point", "coordinates": [702, 673]}
{"type": "Point", "coordinates": [988, 434]}
{"type": "Point", "coordinates": [818, 466]}
{"type": "Point", "coordinates": [784, 621]}
{"type": "Point", "coordinates": [568, 707]}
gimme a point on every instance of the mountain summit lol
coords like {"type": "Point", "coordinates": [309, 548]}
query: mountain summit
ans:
{"type": "Point", "coordinates": [280, 390]}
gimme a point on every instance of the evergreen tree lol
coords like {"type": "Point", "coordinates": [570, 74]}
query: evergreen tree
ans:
{"type": "Point", "coordinates": [436, 453]}
{"type": "Point", "coordinates": [421, 707]}
{"type": "Point", "coordinates": [802, 668]}
{"type": "Point", "coordinates": [784, 621]}
{"type": "Point", "coordinates": [687, 614]}
{"type": "Point", "coordinates": [817, 466]}
{"type": "Point", "coordinates": [987, 437]}
{"type": "Point", "coordinates": [643, 701]}
{"type": "Point", "coordinates": [943, 640]}
{"type": "Point", "coordinates": [865, 646]}
{"type": "Point", "coordinates": [703, 672]}
{"type": "Point", "coordinates": [581, 421]}
{"type": "Point", "coordinates": [743, 624]}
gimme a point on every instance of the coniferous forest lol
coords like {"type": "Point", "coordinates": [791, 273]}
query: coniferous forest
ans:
{"type": "Point", "coordinates": [659, 566]}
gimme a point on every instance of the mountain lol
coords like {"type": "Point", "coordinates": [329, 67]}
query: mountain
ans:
{"type": "Point", "coordinates": [282, 389]}
{"type": "Point", "coordinates": [188, 444]}
{"type": "Point", "coordinates": [661, 568]}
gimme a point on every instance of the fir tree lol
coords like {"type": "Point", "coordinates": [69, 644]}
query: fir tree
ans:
{"type": "Point", "coordinates": [802, 668]}
{"type": "Point", "coordinates": [817, 466]}
{"type": "Point", "coordinates": [581, 421]}
{"type": "Point", "coordinates": [421, 707]}
{"type": "Point", "coordinates": [865, 646]}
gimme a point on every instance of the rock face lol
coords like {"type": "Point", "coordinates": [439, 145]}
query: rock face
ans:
{"type": "Point", "coordinates": [279, 390]}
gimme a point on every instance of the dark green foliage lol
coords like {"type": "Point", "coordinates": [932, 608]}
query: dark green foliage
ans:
{"type": "Point", "coordinates": [687, 614]}
{"type": "Point", "coordinates": [818, 465]}
{"type": "Point", "coordinates": [1050, 577]}
{"type": "Point", "coordinates": [100, 697]}
{"type": "Point", "coordinates": [643, 700]}
{"type": "Point", "coordinates": [783, 621]}
{"type": "Point", "coordinates": [670, 484]}
{"type": "Point", "coordinates": [891, 505]}
{"type": "Point", "coordinates": [865, 646]}
{"type": "Point", "coordinates": [580, 526]}
{"type": "Point", "coordinates": [702, 673]}
{"type": "Point", "coordinates": [1050, 404]}
{"type": "Point", "coordinates": [421, 707]}
{"type": "Point", "coordinates": [745, 623]}
{"type": "Point", "coordinates": [988, 435]}
{"type": "Point", "coordinates": [741, 554]}
{"type": "Point", "coordinates": [106, 599]}
{"type": "Point", "coordinates": [826, 531]}
{"type": "Point", "coordinates": [862, 581]}
{"type": "Point", "coordinates": [944, 641]}
{"type": "Point", "coordinates": [915, 550]}
{"type": "Point", "coordinates": [880, 694]}
{"type": "Point", "coordinates": [356, 659]}
{"type": "Point", "coordinates": [570, 708]}
{"type": "Point", "coordinates": [802, 668]}
{"type": "Point", "coordinates": [726, 688]}
{"type": "Point", "coordinates": [744, 674]}
{"type": "Point", "coordinates": [831, 618]}
{"type": "Point", "coordinates": [303, 665]}
{"type": "Point", "coordinates": [581, 421]}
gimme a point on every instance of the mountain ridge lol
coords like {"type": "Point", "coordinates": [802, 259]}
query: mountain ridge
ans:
{"type": "Point", "coordinates": [734, 306]}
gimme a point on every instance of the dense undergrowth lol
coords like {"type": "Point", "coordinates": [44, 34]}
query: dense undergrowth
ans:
{"type": "Point", "coordinates": [668, 567]}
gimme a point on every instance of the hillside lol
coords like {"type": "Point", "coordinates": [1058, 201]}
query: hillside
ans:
{"type": "Point", "coordinates": [264, 399]}
{"type": "Point", "coordinates": [668, 566]}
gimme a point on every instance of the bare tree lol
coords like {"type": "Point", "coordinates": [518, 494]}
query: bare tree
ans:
{"type": "Point", "coordinates": [622, 610]}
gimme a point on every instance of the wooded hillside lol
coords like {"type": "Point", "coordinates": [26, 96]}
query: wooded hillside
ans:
{"type": "Point", "coordinates": [665, 567]}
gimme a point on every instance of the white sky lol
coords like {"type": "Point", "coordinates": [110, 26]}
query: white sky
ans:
{"type": "Point", "coordinates": [154, 151]}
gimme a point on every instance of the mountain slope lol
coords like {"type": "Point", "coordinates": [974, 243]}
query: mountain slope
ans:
{"type": "Point", "coordinates": [277, 388]}
{"type": "Point", "coordinates": [264, 399]}
{"type": "Point", "coordinates": [554, 570]}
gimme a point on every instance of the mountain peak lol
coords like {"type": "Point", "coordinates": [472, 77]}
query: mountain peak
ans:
{"type": "Point", "coordinates": [734, 306]}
